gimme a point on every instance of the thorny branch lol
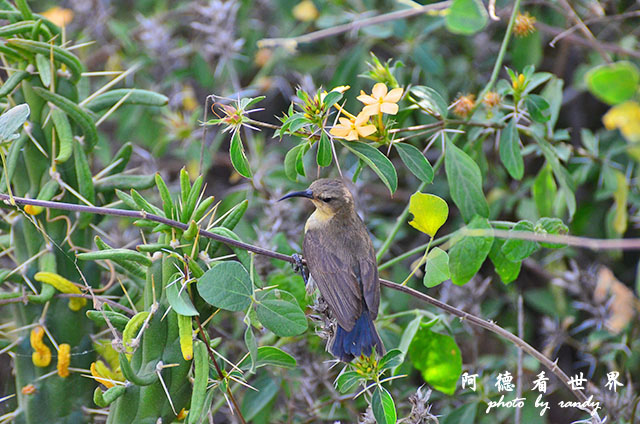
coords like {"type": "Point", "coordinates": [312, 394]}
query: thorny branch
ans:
{"type": "Point", "coordinates": [488, 325]}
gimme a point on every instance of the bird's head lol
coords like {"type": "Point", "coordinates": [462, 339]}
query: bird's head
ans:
{"type": "Point", "coordinates": [330, 196]}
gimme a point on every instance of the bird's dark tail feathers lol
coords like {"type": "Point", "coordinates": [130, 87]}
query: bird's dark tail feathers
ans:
{"type": "Point", "coordinates": [360, 340]}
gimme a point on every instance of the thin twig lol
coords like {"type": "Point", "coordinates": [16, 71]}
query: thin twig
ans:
{"type": "Point", "coordinates": [585, 30]}
{"type": "Point", "coordinates": [351, 26]}
{"type": "Point", "coordinates": [576, 39]}
{"type": "Point", "coordinates": [518, 418]}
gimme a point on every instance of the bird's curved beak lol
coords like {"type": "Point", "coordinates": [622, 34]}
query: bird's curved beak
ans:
{"type": "Point", "coordinates": [305, 193]}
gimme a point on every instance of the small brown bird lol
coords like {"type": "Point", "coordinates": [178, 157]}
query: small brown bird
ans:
{"type": "Point", "coordinates": [342, 263]}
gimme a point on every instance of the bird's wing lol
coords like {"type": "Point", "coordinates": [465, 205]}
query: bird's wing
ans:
{"type": "Point", "coordinates": [370, 282]}
{"type": "Point", "coordinates": [335, 274]}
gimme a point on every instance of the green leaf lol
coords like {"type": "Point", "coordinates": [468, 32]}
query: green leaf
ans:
{"type": "Point", "coordinates": [44, 69]}
{"type": "Point", "coordinates": [613, 83]}
{"type": "Point", "coordinates": [415, 161]}
{"type": "Point", "coordinates": [290, 162]}
{"type": "Point", "coordinates": [238, 157]}
{"type": "Point", "coordinates": [391, 359]}
{"type": "Point", "coordinates": [517, 250]}
{"type": "Point", "coordinates": [429, 212]}
{"type": "Point", "coordinates": [544, 191]}
{"type": "Point", "coordinates": [468, 254]}
{"type": "Point", "coordinates": [463, 414]}
{"type": "Point", "coordinates": [323, 156]}
{"type": "Point", "coordinates": [252, 346]}
{"type": "Point", "coordinates": [383, 407]}
{"type": "Point", "coordinates": [563, 177]}
{"type": "Point", "coordinates": [465, 183]}
{"type": "Point", "coordinates": [466, 17]}
{"type": "Point", "coordinates": [278, 310]}
{"type": "Point", "coordinates": [347, 380]}
{"type": "Point", "coordinates": [553, 226]}
{"type": "Point", "coordinates": [226, 285]}
{"type": "Point", "coordinates": [553, 93]}
{"type": "Point", "coordinates": [510, 153]}
{"type": "Point", "coordinates": [270, 356]}
{"type": "Point", "coordinates": [12, 120]}
{"type": "Point", "coordinates": [506, 269]}
{"type": "Point", "coordinates": [180, 301]}
{"type": "Point", "coordinates": [438, 357]}
{"type": "Point", "coordinates": [437, 267]}
{"type": "Point", "coordinates": [430, 100]}
{"type": "Point", "coordinates": [331, 98]}
{"type": "Point", "coordinates": [255, 401]}
{"type": "Point", "coordinates": [300, 159]}
{"type": "Point", "coordinates": [538, 108]}
{"type": "Point", "coordinates": [380, 164]}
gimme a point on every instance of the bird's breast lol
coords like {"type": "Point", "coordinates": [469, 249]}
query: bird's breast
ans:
{"type": "Point", "coordinates": [317, 219]}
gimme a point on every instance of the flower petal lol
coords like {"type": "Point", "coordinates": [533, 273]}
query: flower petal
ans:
{"type": "Point", "coordinates": [340, 132]}
{"type": "Point", "coordinates": [390, 108]}
{"type": "Point", "coordinates": [394, 95]}
{"type": "Point", "coordinates": [366, 99]}
{"type": "Point", "coordinates": [352, 136]}
{"type": "Point", "coordinates": [345, 121]}
{"type": "Point", "coordinates": [361, 119]}
{"type": "Point", "coordinates": [371, 110]}
{"type": "Point", "coordinates": [366, 130]}
{"type": "Point", "coordinates": [379, 90]}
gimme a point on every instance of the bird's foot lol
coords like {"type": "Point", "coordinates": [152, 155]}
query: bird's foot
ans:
{"type": "Point", "coordinates": [298, 266]}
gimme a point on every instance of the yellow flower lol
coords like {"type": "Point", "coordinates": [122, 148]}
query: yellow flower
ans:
{"type": "Point", "coordinates": [525, 25]}
{"type": "Point", "coordinates": [182, 414]}
{"type": "Point", "coordinates": [41, 356]}
{"type": "Point", "coordinates": [626, 117]}
{"type": "Point", "coordinates": [64, 359]}
{"type": "Point", "coordinates": [59, 16]}
{"type": "Point", "coordinates": [464, 104]}
{"type": "Point", "coordinates": [305, 11]}
{"type": "Point", "coordinates": [381, 101]}
{"type": "Point", "coordinates": [352, 129]}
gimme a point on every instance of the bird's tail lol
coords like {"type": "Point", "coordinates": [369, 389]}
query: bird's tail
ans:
{"type": "Point", "coordinates": [362, 339]}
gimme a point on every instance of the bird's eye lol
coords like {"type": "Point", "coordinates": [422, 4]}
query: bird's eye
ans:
{"type": "Point", "coordinates": [326, 199]}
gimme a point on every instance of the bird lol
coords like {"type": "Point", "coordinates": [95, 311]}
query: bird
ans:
{"type": "Point", "coordinates": [341, 261]}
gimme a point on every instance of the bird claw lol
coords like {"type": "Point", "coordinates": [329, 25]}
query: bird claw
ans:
{"type": "Point", "coordinates": [298, 266]}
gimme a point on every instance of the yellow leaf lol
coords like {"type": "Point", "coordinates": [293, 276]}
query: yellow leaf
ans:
{"type": "Point", "coordinates": [429, 212]}
{"type": "Point", "coordinates": [619, 297]}
{"type": "Point", "coordinates": [620, 198]}
{"type": "Point", "coordinates": [625, 117]}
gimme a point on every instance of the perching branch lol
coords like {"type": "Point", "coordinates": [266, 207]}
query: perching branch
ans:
{"type": "Point", "coordinates": [572, 240]}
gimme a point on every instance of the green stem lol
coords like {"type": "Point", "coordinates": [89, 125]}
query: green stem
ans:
{"type": "Point", "coordinates": [501, 53]}
{"type": "Point", "coordinates": [423, 260]}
